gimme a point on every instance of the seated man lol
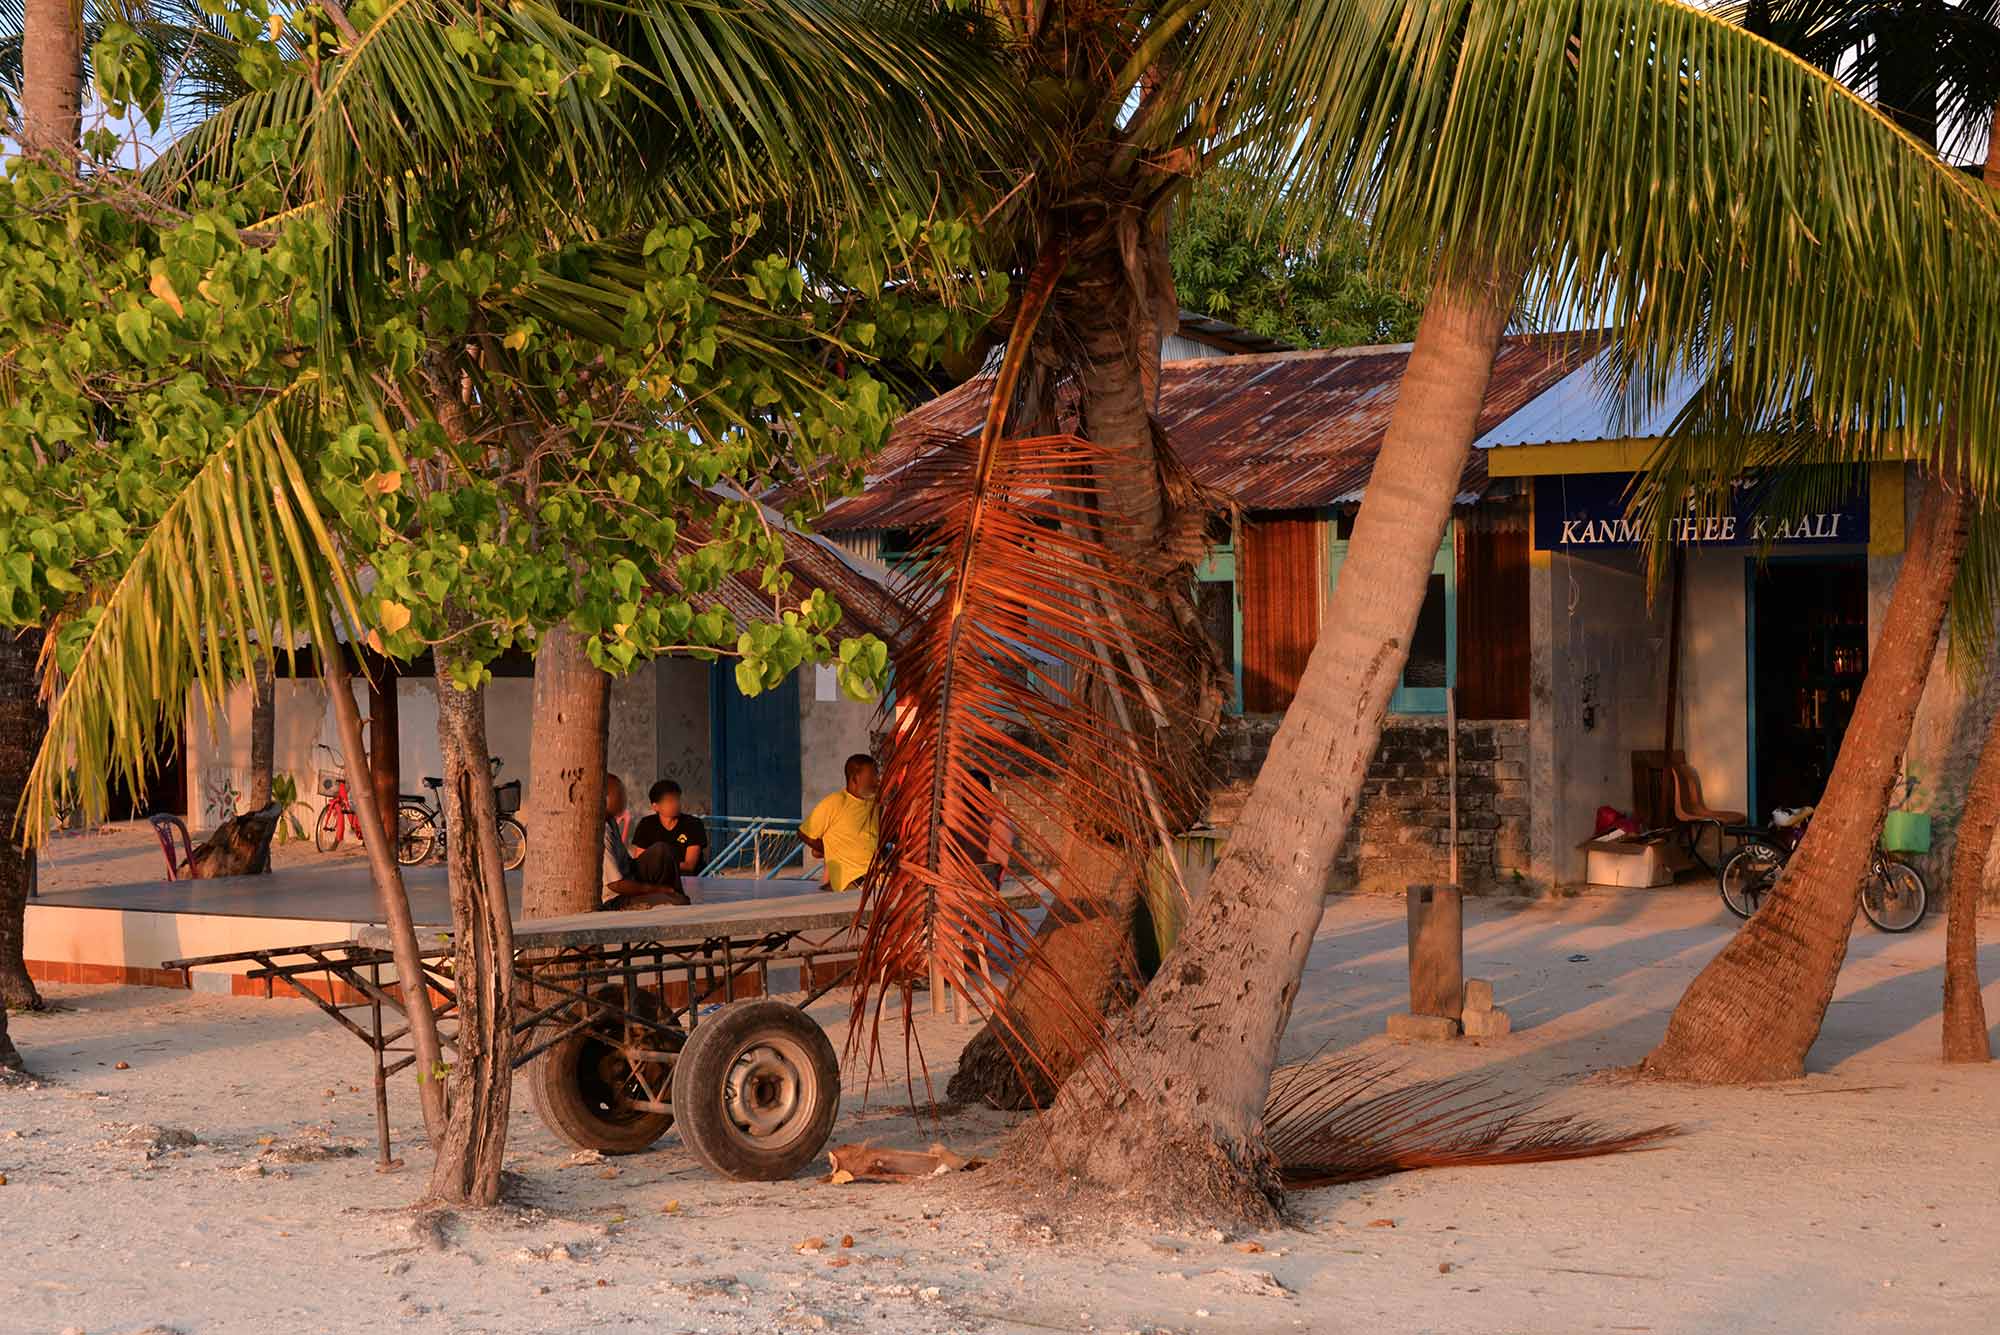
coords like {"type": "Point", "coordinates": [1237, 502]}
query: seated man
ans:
{"type": "Point", "coordinates": [842, 829]}
{"type": "Point", "coordinates": [668, 824]}
{"type": "Point", "coordinates": [634, 883]}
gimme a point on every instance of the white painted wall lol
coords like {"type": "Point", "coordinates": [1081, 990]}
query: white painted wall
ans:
{"type": "Point", "coordinates": [1713, 722]}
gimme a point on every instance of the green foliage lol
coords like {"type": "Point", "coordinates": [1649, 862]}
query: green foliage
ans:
{"type": "Point", "coordinates": [1312, 294]}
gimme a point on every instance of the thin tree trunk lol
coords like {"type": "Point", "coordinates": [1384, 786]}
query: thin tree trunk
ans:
{"type": "Point", "coordinates": [23, 721]}
{"type": "Point", "coordinates": [1084, 954]}
{"type": "Point", "coordinates": [1172, 1112]}
{"type": "Point", "coordinates": [51, 77]}
{"type": "Point", "coordinates": [263, 734]}
{"type": "Point", "coordinates": [10, 1056]}
{"type": "Point", "coordinates": [469, 1157]}
{"type": "Point", "coordinates": [1753, 1013]}
{"type": "Point", "coordinates": [385, 742]}
{"type": "Point", "coordinates": [1965, 1036]}
{"type": "Point", "coordinates": [566, 767]}
{"type": "Point", "coordinates": [393, 899]}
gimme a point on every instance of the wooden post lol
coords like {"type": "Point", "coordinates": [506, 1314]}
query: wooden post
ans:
{"type": "Point", "coordinates": [1451, 771]}
{"type": "Point", "coordinates": [385, 744]}
{"type": "Point", "coordinates": [1436, 915]}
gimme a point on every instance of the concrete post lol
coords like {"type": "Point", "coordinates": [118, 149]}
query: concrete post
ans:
{"type": "Point", "coordinates": [1437, 950]}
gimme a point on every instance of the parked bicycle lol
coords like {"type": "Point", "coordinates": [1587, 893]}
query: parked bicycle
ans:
{"type": "Point", "coordinates": [1894, 897]}
{"type": "Point", "coordinates": [420, 828]}
{"type": "Point", "coordinates": [336, 818]}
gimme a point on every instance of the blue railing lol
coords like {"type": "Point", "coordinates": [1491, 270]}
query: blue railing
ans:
{"type": "Point", "coordinates": [757, 845]}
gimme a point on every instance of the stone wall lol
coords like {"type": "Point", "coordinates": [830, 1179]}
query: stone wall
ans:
{"type": "Point", "coordinates": [1401, 833]}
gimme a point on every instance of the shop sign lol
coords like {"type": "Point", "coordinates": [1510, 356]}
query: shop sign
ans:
{"type": "Point", "coordinates": [1587, 511]}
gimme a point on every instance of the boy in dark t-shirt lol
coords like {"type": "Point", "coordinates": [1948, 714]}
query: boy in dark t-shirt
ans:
{"type": "Point", "coordinates": [668, 824]}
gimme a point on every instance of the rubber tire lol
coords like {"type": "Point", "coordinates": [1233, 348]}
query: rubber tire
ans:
{"type": "Point", "coordinates": [701, 1109]}
{"type": "Point", "coordinates": [512, 860]}
{"type": "Point", "coordinates": [412, 849]}
{"type": "Point", "coordinates": [328, 829]}
{"type": "Point", "coordinates": [1743, 854]}
{"type": "Point", "coordinates": [1923, 898]}
{"type": "Point", "coordinates": [557, 1091]}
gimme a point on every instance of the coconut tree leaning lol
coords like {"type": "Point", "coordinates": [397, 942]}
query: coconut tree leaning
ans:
{"type": "Point", "coordinates": [1636, 158]}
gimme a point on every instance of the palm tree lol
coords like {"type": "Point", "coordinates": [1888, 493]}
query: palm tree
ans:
{"type": "Point", "coordinates": [1757, 1008]}
{"type": "Point", "coordinates": [1629, 157]}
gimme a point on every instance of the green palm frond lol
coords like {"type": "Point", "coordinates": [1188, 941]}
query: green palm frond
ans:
{"type": "Point", "coordinates": [1717, 201]}
{"type": "Point", "coordinates": [240, 566]}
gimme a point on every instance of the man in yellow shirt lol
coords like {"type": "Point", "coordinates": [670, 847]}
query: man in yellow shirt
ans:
{"type": "Point", "coordinates": [842, 828]}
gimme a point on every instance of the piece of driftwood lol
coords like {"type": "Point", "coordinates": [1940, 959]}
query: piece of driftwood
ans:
{"type": "Point", "coordinates": [865, 1163]}
{"type": "Point", "coordinates": [240, 846]}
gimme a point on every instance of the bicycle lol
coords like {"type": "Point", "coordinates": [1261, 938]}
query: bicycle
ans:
{"type": "Point", "coordinates": [1894, 899]}
{"type": "Point", "coordinates": [420, 829]}
{"type": "Point", "coordinates": [336, 818]}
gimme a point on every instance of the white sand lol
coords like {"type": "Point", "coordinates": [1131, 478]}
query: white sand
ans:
{"type": "Point", "coordinates": [1866, 1198]}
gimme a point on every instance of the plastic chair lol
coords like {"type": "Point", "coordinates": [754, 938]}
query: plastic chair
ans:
{"type": "Point", "coordinates": [165, 829]}
{"type": "Point", "coordinates": [1693, 813]}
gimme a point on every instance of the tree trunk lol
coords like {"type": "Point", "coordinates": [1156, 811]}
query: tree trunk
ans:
{"type": "Point", "coordinates": [1754, 1011]}
{"type": "Point", "coordinates": [1965, 1037]}
{"type": "Point", "coordinates": [1150, 1119]}
{"type": "Point", "coordinates": [22, 723]}
{"type": "Point", "coordinates": [1084, 954]}
{"type": "Point", "coordinates": [51, 77]}
{"type": "Point", "coordinates": [389, 892]}
{"type": "Point", "coordinates": [469, 1156]}
{"type": "Point", "coordinates": [565, 807]}
{"type": "Point", "coordinates": [263, 735]}
{"type": "Point", "coordinates": [10, 1056]}
{"type": "Point", "coordinates": [385, 742]}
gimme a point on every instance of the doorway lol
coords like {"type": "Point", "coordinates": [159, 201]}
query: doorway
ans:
{"type": "Point", "coordinates": [1808, 655]}
{"type": "Point", "coordinates": [755, 746]}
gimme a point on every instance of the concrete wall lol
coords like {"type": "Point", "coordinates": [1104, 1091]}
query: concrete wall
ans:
{"type": "Point", "coordinates": [1712, 724]}
{"type": "Point", "coordinates": [1597, 693]}
{"type": "Point", "coordinates": [831, 728]}
{"type": "Point", "coordinates": [683, 731]}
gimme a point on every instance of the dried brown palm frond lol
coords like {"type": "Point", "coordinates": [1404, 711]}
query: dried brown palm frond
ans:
{"type": "Point", "coordinates": [1331, 1120]}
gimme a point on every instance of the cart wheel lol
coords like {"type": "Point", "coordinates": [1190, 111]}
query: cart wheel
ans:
{"type": "Point", "coordinates": [585, 1088]}
{"type": "Point", "coordinates": [756, 1091]}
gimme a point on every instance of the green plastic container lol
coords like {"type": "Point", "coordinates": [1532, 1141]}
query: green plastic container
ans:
{"type": "Point", "coordinates": [1907, 832]}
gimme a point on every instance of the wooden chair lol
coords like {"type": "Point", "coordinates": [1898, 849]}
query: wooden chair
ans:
{"type": "Point", "coordinates": [1693, 814]}
{"type": "Point", "coordinates": [167, 829]}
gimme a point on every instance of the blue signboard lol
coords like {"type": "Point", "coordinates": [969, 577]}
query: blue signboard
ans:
{"type": "Point", "coordinates": [1586, 511]}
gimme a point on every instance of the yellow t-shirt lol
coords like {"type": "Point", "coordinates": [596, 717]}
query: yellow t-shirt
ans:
{"type": "Point", "coordinates": [845, 825]}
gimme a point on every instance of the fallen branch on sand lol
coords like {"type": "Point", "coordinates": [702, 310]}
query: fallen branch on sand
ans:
{"type": "Point", "coordinates": [864, 1163]}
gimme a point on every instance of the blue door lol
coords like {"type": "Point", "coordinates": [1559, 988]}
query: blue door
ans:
{"type": "Point", "coordinates": [756, 747]}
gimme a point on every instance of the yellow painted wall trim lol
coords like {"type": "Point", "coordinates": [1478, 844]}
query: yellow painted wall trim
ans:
{"type": "Point", "coordinates": [1885, 509]}
{"type": "Point", "coordinates": [1578, 456]}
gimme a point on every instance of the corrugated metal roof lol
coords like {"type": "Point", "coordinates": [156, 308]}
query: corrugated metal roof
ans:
{"type": "Point", "coordinates": [1586, 405]}
{"type": "Point", "coordinates": [1276, 431]}
{"type": "Point", "coordinates": [861, 587]}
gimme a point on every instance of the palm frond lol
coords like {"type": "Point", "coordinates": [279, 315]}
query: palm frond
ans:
{"type": "Point", "coordinates": [1718, 201]}
{"type": "Point", "coordinates": [1334, 1119]}
{"type": "Point", "coordinates": [240, 566]}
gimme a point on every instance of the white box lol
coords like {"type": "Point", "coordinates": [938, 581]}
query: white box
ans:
{"type": "Point", "coordinates": [1637, 864]}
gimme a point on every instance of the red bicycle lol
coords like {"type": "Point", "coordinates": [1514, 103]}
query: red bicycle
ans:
{"type": "Point", "coordinates": [336, 818]}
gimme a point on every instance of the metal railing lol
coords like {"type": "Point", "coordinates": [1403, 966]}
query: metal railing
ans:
{"type": "Point", "coordinates": [758, 845]}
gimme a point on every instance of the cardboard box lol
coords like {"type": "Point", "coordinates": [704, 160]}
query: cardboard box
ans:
{"type": "Point", "coordinates": [1636, 864]}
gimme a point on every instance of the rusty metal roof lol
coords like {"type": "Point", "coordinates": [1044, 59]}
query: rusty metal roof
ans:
{"type": "Point", "coordinates": [862, 588]}
{"type": "Point", "coordinates": [1274, 431]}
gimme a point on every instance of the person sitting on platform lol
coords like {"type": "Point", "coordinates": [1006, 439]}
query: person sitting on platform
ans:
{"type": "Point", "coordinates": [842, 829]}
{"type": "Point", "coordinates": [668, 824]}
{"type": "Point", "coordinates": [651, 879]}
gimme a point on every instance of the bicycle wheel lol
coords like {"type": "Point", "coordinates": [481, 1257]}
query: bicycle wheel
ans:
{"type": "Point", "coordinates": [331, 825]}
{"type": "Point", "coordinates": [513, 843]}
{"type": "Point", "coordinates": [1748, 876]}
{"type": "Point", "coordinates": [1895, 897]}
{"type": "Point", "coordinates": [416, 833]}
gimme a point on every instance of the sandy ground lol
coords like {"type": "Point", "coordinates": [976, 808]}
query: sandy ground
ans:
{"type": "Point", "coordinates": [1861, 1199]}
{"type": "Point", "coordinates": [125, 852]}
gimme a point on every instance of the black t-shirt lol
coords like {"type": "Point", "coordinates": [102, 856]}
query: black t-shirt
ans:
{"type": "Point", "coordinates": [688, 830]}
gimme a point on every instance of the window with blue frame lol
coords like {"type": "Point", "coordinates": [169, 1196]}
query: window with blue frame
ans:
{"type": "Point", "coordinates": [1433, 664]}
{"type": "Point", "coordinates": [1221, 608]}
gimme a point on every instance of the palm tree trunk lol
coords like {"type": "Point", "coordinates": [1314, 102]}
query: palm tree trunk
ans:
{"type": "Point", "coordinates": [385, 741]}
{"type": "Point", "coordinates": [22, 723]}
{"type": "Point", "coordinates": [1084, 958]}
{"type": "Point", "coordinates": [263, 735]}
{"type": "Point", "coordinates": [10, 1056]}
{"type": "Point", "coordinates": [1965, 1037]}
{"type": "Point", "coordinates": [1752, 1014]}
{"type": "Point", "coordinates": [390, 895]}
{"type": "Point", "coordinates": [469, 1156]}
{"type": "Point", "coordinates": [51, 77]}
{"type": "Point", "coordinates": [1187, 1135]}
{"type": "Point", "coordinates": [566, 765]}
